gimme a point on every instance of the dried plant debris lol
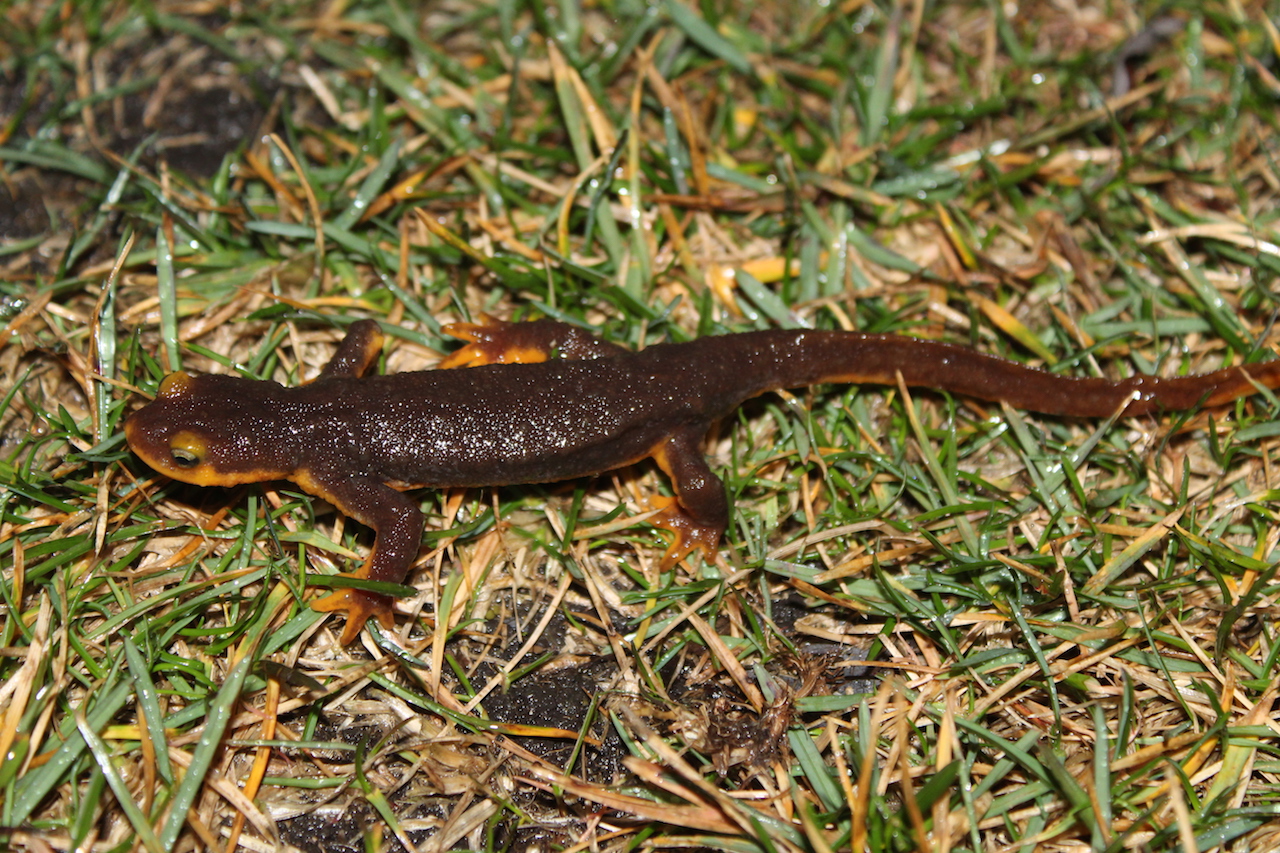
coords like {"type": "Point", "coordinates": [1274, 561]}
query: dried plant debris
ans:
{"type": "Point", "coordinates": [934, 623]}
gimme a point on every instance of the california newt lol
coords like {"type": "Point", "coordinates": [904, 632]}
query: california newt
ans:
{"type": "Point", "coordinates": [550, 402]}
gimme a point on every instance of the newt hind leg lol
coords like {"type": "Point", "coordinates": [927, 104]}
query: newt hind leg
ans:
{"type": "Point", "coordinates": [494, 341]}
{"type": "Point", "coordinates": [699, 513]}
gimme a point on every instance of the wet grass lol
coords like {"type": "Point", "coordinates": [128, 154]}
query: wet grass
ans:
{"type": "Point", "coordinates": [1069, 623]}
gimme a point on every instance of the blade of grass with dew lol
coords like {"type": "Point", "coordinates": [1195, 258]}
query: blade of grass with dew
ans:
{"type": "Point", "coordinates": [369, 188]}
{"type": "Point", "coordinates": [149, 707]}
{"type": "Point", "coordinates": [166, 292]}
{"type": "Point", "coordinates": [705, 36]}
{"type": "Point", "coordinates": [124, 796]}
{"type": "Point", "coordinates": [33, 786]}
{"type": "Point", "coordinates": [218, 716]}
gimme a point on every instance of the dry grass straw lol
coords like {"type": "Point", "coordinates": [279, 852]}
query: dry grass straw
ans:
{"type": "Point", "coordinates": [1070, 624]}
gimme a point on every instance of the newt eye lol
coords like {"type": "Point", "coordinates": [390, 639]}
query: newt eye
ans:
{"type": "Point", "coordinates": [186, 449]}
{"type": "Point", "coordinates": [184, 458]}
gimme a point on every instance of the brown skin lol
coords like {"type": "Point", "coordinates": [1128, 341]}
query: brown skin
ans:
{"type": "Point", "coordinates": [551, 402]}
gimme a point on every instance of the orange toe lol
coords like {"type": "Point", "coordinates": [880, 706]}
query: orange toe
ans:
{"type": "Point", "coordinates": [360, 605]}
{"type": "Point", "coordinates": [493, 342]}
{"type": "Point", "coordinates": [689, 535]}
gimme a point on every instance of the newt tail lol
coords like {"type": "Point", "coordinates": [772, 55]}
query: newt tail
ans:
{"type": "Point", "coordinates": [852, 358]}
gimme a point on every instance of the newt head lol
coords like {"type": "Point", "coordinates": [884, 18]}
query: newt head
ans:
{"type": "Point", "coordinates": [212, 430]}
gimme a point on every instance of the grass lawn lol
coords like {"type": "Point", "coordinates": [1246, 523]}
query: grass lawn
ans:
{"type": "Point", "coordinates": [934, 623]}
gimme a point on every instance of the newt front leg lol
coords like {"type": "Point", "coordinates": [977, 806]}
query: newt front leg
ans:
{"type": "Point", "coordinates": [396, 522]}
{"type": "Point", "coordinates": [398, 525]}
